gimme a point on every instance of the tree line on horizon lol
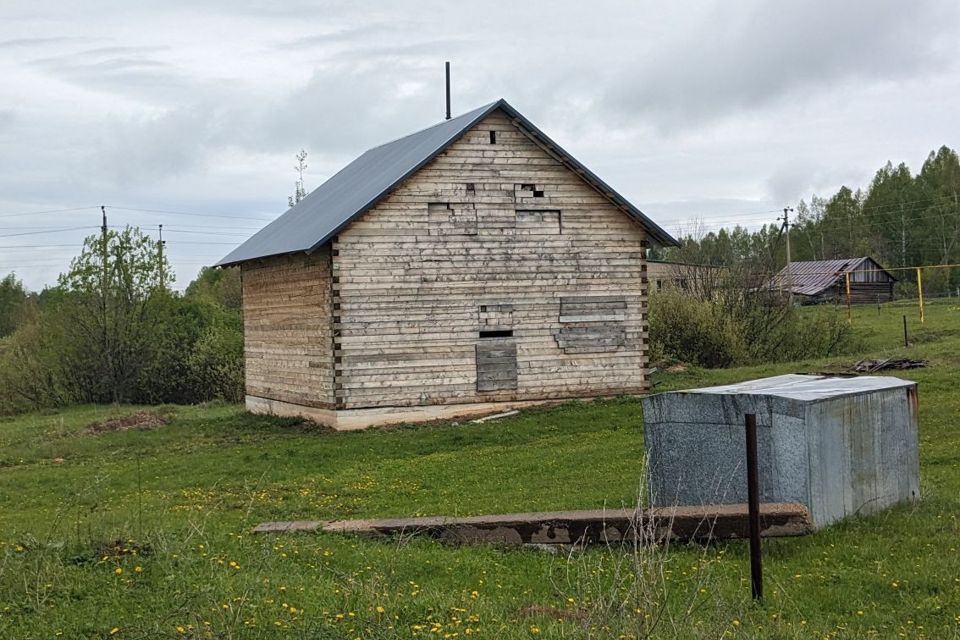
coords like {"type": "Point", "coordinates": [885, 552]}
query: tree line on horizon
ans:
{"type": "Point", "coordinates": [900, 219]}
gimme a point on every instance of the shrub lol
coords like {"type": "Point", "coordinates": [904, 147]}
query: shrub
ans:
{"type": "Point", "coordinates": [736, 327]}
{"type": "Point", "coordinates": [691, 330]}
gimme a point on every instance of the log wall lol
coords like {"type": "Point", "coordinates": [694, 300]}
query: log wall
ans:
{"type": "Point", "coordinates": [287, 321]}
{"type": "Point", "coordinates": [494, 238]}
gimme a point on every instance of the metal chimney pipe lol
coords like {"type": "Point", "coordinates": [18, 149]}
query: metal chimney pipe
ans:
{"type": "Point", "coordinates": [448, 89]}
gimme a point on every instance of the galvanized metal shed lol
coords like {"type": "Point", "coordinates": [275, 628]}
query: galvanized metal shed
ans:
{"type": "Point", "coordinates": [840, 446]}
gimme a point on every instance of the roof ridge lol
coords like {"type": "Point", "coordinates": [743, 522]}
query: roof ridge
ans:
{"type": "Point", "coordinates": [439, 124]}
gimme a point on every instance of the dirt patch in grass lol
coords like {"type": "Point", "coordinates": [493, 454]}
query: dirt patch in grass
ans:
{"type": "Point", "coordinates": [141, 420]}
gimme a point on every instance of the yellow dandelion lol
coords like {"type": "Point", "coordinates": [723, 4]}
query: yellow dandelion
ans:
{"type": "Point", "coordinates": [114, 631]}
{"type": "Point", "coordinates": [138, 569]}
{"type": "Point", "coordinates": [118, 570]}
{"type": "Point", "coordinates": [534, 629]}
{"type": "Point", "coordinates": [380, 610]}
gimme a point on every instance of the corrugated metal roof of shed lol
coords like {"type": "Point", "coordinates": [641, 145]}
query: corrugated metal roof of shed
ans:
{"type": "Point", "coordinates": [371, 177]}
{"type": "Point", "coordinates": [806, 387]}
{"type": "Point", "coordinates": [811, 277]}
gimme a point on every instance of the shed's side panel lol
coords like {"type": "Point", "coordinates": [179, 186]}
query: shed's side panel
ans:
{"type": "Point", "coordinates": [863, 454]}
{"type": "Point", "coordinates": [490, 236]}
{"type": "Point", "coordinates": [287, 329]}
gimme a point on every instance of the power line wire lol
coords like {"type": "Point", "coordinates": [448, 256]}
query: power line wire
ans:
{"type": "Point", "coordinates": [187, 213]}
{"type": "Point", "coordinates": [37, 213]}
{"type": "Point", "coordinates": [37, 233]}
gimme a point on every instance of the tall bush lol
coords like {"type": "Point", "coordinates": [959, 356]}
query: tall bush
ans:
{"type": "Point", "coordinates": [738, 327]}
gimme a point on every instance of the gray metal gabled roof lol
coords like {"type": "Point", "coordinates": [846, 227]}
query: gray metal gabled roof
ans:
{"type": "Point", "coordinates": [363, 183]}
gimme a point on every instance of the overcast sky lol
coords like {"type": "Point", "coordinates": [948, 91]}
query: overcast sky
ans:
{"type": "Point", "coordinates": [714, 111]}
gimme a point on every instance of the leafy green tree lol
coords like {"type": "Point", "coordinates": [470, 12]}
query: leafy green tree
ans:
{"type": "Point", "coordinates": [103, 310]}
{"type": "Point", "coordinates": [889, 209]}
{"type": "Point", "coordinates": [14, 302]}
{"type": "Point", "coordinates": [218, 286]}
{"type": "Point", "coordinates": [939, 184]}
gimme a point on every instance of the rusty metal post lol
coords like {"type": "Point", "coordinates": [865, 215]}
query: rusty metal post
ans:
{"type": "Point", "coordinates": [753, 506]}
{"type": "Point", "coordinates": [906, 343]}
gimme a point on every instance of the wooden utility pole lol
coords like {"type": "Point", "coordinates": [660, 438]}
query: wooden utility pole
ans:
{"type": "Point", "coordinates": [104, 273]}
{"type": "Point", "coordinates": [786, 229]}
{"type": "Point", "coordinates": [160, 255]}
{"type": "Point", "coordinates": [104, 284]}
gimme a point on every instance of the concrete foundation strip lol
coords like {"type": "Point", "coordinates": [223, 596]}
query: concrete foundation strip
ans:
{"type": "Point", "coordinates": [598, 526]}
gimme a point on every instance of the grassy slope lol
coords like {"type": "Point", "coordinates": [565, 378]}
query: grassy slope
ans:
{"type": "Point", "coordinates": [214, 472]}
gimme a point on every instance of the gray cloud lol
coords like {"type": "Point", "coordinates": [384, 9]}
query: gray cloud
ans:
{"type": "Point", "coordinates": [18, 43]}
{"type": "Point", "coordinates": [123, 70]}
{"type": "Point", "coordinates": [705, 110]}
{"type": "Point", "coordinates": [763, 52]}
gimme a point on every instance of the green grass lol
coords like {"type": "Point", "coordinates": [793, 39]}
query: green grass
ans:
{"type": "Point", "coordinates": [181, 500]}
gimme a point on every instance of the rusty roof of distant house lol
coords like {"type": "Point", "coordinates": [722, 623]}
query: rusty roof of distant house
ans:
{"type": "Point", "coordinates": [811, 277]}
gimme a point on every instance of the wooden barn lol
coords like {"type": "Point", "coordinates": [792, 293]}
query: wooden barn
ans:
{"type": "Point", "coordinates": [471, 267]}
{"type": "Point", "coordinates": [819, 281]}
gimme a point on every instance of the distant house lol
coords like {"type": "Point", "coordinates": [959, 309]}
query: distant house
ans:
{"type": "Point", "coordinates": [819, 281]}
{"type": "Point", "coordinates": [467, 268]}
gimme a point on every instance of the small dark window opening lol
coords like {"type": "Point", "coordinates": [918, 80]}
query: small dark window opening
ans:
{"type": "Point", "coordinates": [497, 333]}
{"type": "Point", "coordinates": [493, 137]}
{"type": "Point", "coordinates": [527, 187]}
{"type": "Point", "coordinates": [537, 194]}
{"type": "Point", "coordinates": [471, 188]}
{"type": "Point", "coordinates": [483, 308]}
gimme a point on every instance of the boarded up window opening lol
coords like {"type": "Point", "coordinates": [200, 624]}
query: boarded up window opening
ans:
{"type": "Point", "coordinates": [592, 324]}
{"type": "Point", "coordinates": [538, 221]}
{"type": "Point", "coordinates": [447, 218]}
{"type": "Point", "coordinates": [496, 365]}
{"type": "Point", "coordinates": [471, 187]}
{"type": "Point", "coordinates": [493, 137]}
{"type": "Point", "coordinates": [596, 338]}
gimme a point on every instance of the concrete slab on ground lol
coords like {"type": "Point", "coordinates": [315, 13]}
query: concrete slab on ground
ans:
{"type": "Point", "coordinates": [575, 527]}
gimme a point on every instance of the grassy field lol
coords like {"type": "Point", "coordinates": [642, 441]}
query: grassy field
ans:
{"type": "Point", "coordinates": [144, 534]}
